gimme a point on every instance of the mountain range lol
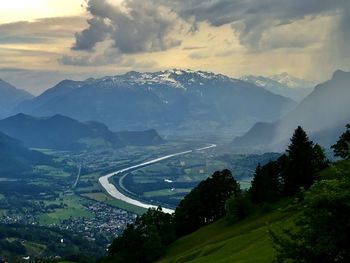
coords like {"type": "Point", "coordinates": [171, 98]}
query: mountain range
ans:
{"type": "Point", "coordinates": [172, 102]}
{"type": "Point", "coordinates": [11, 97]}
{"type": "Point", "coordinates": [63, 133]}
{"type": "Point", "coordinates": [283, 84]}
{"type": "Point", "coordinates": [323, 114]}
{"type": "Point", "coordinates": [16, 159]}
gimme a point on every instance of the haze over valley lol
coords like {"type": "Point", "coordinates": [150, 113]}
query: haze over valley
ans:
{"type": "Point", "coordinates": [170, 131]}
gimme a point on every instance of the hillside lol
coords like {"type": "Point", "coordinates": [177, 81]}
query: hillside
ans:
{"type": "Point", "coordinates": [11, 97]}
{"type": "Point", "coordinates": [63, 133]}
{"type": "Point", "coordinates": [172, 101]}
{"type": "Point", "coordinates": [15, 159]}
{"type": "Point", "coordinates": [323, 114]}
{"type": "Point", "coordinates": [247, 241]}
{"type": "Point", "coordinates": [17, 241]}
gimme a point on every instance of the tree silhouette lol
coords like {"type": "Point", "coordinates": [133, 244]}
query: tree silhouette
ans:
{"type": "Point", "coordinates": [205, 203]}
{"type": "Point", "coordinates": [342, 147]}
{"type": "Point", "coordinates": [300, 170]}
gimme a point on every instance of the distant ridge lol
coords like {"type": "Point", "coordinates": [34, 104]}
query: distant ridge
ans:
{"type": "Point", "coordinates": [15, 159]}
{"type": "Point", "coordinates": [10, 97]}
{"type": "Point", "coordinates": [170, 101]}
{"type": "Point", "coordinates": [64, 133]}
{"type": "Point", "coordinates": [323, 114]}
{"type": "Point", "coordinates": [283, 84]}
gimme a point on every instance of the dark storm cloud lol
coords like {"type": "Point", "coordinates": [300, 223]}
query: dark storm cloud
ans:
{"type": "Point", "coordinates": [97, 31]}
{"type": "Point", "coordinates": [145, 27]}
{"type": "Point", "coordinates": [250, 19]}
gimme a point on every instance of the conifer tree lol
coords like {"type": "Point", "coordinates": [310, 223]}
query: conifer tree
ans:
{"type": "Point", "coordinates": [342, 147]}
{"type": "Point", "coordinates": [256, 185]}
{"type": "Point", "coordinates": [300, 170]}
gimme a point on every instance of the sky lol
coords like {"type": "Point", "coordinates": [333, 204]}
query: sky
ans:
{"type": "Point", "coordinates": [45, 41]}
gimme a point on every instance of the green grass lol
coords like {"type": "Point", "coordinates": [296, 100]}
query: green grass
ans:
{"type": "Point", "coordinates": [74, 208]}
{"type": "Point", "coordinates": [33, 248]}
{"type": "Point", "coordinates": [336, 170]}
{"type": "Point", "coordinates": [50, 171]}
{"type": "Point", "coordinates": [95, 142]}
{"type": "Point", "coordinates": [245, 242]}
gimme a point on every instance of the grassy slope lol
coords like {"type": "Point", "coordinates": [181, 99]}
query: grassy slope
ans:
{"type": "Point", "coordinates": [336, 170]}
{"type": "Point", "coordinates": [245, 242]}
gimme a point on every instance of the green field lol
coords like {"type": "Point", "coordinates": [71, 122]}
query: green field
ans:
{"type": "Point", "coordinates": [50, 171]}
{"type": "Point", "coordinates": [245, 242]}
{"type": "Point", "coordinates": [73, 208]}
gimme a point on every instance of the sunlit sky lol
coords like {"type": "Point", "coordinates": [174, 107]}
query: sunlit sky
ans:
{"type": "Point", "coordinates": [44, 41]}
{"type": "Point", "coordinates": [26, 10]}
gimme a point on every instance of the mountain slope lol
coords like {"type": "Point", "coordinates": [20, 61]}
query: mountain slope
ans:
{"type": "Point", "coordinates": [283, 84]}
{"type": "Point", "coordinates": [323, 114]}
{"type": "Point", "coordinates": [64, 133]}
{"type": "Point", "coordinates": [174, 101]}
{"type": "Point", "coordinates": [15, 159]}
{"type": "Point", "coordinates": [10, 97]}
{"type": "Point", "coordinates": [247, 241]}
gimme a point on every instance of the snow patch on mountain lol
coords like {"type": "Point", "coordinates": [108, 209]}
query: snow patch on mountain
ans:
{"type": "Point", "coordinates": [177, 78]}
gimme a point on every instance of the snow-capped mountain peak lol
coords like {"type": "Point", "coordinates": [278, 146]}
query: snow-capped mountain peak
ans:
{"type": "Point", "coordinates": [282, 84]}
{"type": "Point", "coordinates": [177, 78]}
{"type": "Point", "coordinates": [291, 81]}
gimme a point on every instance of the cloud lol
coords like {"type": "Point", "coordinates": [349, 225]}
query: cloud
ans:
{"type": "Point", "coordinates": [199, 55]}
{"type": "Point", "coordinates": [102, 60]}
{"type": "Point", "coordinates": [40, 31]}
{"type": "Point", "coordinates": [8, 52]}
{"type": "Point", "coordinates": [137, 26]}
{"type": "Point", "coordinates": [110, 56]}
{"type": "Point", "coordinates": [38, 80]}
{"type": "Point", "coordinates": [97, 31]}
{"type": "Point", "coordinates": [106, 58]}
{"type": "Point", "coordinates": [35, 80]}
{"type": "Point", "coordinates": [225, 53]}
{"type": "Point", "coordinates": [194, 47]}
{"type": "Point", "coordinates": [251, 19]}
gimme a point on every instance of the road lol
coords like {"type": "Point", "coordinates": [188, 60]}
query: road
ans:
{"type": "Point", "coordinates": [115, 193]}
{"type": "Point", "coordinates": [77, 179]}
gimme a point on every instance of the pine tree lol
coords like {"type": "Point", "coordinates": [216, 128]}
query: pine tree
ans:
{"type": "Point", "coordinates": [342, 147]}
{"type": "Point", "coordinates": [300, 170]}
{"type": "Point", "coordinates": [256, 185]}
{"type": "Point", "coordinates": [320, 160]}
{"type": "Point", "coordinates": [266, 183]}
{"type": "Point", "coordinates": [205, 203]}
